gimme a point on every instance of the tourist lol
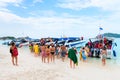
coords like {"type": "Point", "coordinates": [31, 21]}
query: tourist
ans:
{"type": "Point", "coordinates": [73, 58]}
{"type": "Point", "coordinates": [84, 54]}
{"type": "Point", "coordinates": [103, 56]}
{"type": "Point", "coordinates": [63, 52]}
{"type": "Point", "coordinates": [14, 54]}
{"type": "Point", "coordinates": [36, 50]}
{"type": "Point", "coordinates": [47, 51]}
{"type": "Point", "coordinates": [43, 52]}
{"type": "Point", "coordinates": [52, 51]}
{"type": "Point", "coordinates": [56, 51]}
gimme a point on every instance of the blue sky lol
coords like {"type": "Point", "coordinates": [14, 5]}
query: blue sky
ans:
{"type": "Point", "coordinates": [56, 18]}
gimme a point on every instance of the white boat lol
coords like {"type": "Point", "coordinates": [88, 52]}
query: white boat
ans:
{"type": "Point", "coordinates": [75, 43]}
{"type": "Point", "coordinates": [110, 53]}
{"type": "Point", "coordinates": [72, 43]}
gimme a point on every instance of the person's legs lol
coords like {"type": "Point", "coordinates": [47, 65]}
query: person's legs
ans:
{"type": "Point", "coordinates": [70, 63]}
{"type": "Point", "coordinates": [16, 60]}
{"type": "Point", "coordinates": [73, 64]}
{"type": "Point", "coordinates": [63, 58]}
{"type": "Point", "coordinates": [13, 60]}
{"type": "Point", "coordinates": [44, 59]}
{"type": "Point", "coordinates": [48, 58]}
{"type": "Point", "coordinates": [53, 58]}
{"type": "Point", "coordinates": [103, 62]}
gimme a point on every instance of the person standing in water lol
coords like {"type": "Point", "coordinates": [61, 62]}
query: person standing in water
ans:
{"type": "Point", "coordinates": [84, 54]}
{"type": "Point", "coordinates": [73, 58]}
{"type": "Point", "coordinates": [47, 51]}
{"type": "Point", "coordinates": [103, 56]}
{"type": "Point", "coordinates": [14, 54]}
{"type": "Point", "coordinates": [36, 50]}
{"type": "Point", "coordinates": [43, 53]}
{"type": "Point", "coordinates": [63, 52]}
{"type": "Point", "coordinates": [52, 51]}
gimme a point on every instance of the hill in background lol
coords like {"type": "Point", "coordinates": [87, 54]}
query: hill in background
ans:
{"type": "Point", "coordinates": [7, 38]}
{"type": "Point", "coordinates": [115, 35]}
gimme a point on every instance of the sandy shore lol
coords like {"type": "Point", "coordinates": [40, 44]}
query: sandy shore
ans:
{"type": "Point", "coordinates": [32, 68]}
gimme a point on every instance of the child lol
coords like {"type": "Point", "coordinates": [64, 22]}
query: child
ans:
{"type": "Point", "coordinates": [104, 55]}
{"type": "Point", "coordinates": [84, 57]}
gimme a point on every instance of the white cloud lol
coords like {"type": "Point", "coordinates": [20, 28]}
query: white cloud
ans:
{"type": "Point", "coordinates": [36, 1]}
{"type": "Point", "coordinates": [74, 4]}
{"type": "Point", "coordinates": [4, 10]}
{"type": "Point", "coordinates": [45, 26]}
{"type": "Point", "coordinates": [39, 13]}
{"type": "Point", "coordinates": [106, 4]}
{"type": "Point", "coordinates": [80, 4]}
{"type": "Point", "coordinates": [4, 3]}
{"type": "Point", "coordinates": [57, 26]}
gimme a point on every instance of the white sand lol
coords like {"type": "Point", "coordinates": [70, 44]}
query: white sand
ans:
{"type": "Point", "coordinates": [31, 68]}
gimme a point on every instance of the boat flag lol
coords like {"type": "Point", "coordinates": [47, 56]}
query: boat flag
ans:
{"type": "Point", "coordinates": [100, 28]}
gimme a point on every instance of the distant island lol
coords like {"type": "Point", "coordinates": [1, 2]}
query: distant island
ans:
{"type": "Point", "coordinates": [115, 35]}
{"type": "Point", "coordinates": [7, 38]}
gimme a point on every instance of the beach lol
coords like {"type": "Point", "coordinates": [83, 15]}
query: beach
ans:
{"type": "Point", "coordinates": [32, 68]}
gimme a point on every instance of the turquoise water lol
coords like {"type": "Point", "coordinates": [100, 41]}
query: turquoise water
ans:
{"type": "Point", "coordinates": [113, 61]}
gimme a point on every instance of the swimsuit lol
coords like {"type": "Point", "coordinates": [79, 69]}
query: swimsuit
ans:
{"type": "Point", "coordinates": [52, 53]}
{"type": "Point", "coordinates": [103, 56]}
{"type": "Point", "coordinates": [43, 54]}
{"type": "Point", "coordinates": [83, 55]}
{"type": "Point", "coordinates": [15, 52]}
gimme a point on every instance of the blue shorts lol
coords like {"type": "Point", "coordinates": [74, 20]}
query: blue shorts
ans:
{"type": "Point", "coordinates": [63, 53]}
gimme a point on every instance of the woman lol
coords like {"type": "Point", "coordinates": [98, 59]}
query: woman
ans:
{"type": "Point", "coordinates": [84, 57]}
{"type": "Point", "coordinates": [36, 50]}
{"type": "Point", "coordinates": [47, 51]}
{"type": "Point", "coordinates": [43, 53]}
{"type": "Point", "coordinates": [63, 52]}
{"type": "Point", "coordinates": [52, 51]}
{"type": "Point", "coordinates": [73, 58]}
{"type": "Point", "coordinates": [14, 54]}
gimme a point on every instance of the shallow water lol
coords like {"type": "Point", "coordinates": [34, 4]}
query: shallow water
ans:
{"type": "Point", "coordinates": [114, 61]}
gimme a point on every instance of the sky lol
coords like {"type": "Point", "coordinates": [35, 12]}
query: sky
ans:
{"type": "Point", "coordinates": [58, 18]}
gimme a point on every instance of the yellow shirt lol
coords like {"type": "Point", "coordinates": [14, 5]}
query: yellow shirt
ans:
{"type": "Point", "coordinates": [36, 49]}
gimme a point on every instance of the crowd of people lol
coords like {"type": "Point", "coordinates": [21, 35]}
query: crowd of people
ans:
{"type": "Point", "coordinates": [49, 53]}
{"type": "Point", "coordinates": [99, 48]}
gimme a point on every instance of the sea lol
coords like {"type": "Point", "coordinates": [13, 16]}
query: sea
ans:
{"type": "Point", "coordinates": [115, 61]}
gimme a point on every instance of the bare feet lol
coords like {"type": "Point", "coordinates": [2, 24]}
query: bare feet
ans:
{"type": "Point", "coordinates": [16, 64]}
